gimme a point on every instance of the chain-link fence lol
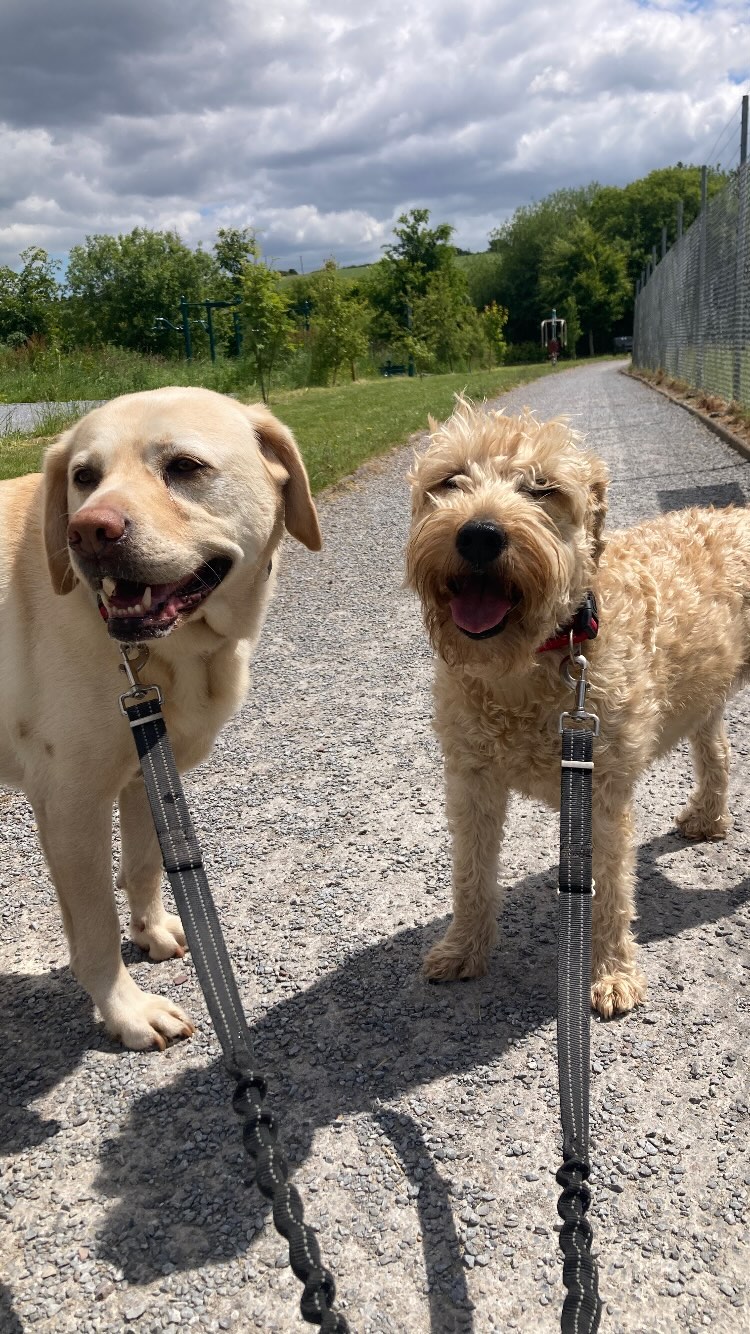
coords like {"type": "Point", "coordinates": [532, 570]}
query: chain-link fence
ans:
{"type": "Point", "coordinates": [692, 312]}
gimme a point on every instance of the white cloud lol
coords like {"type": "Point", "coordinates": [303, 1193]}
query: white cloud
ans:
{"type": "Point", "coordinates": [319, 125]}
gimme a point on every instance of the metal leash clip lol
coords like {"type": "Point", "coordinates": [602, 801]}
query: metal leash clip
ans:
{"type": "Point", "coordinates": [580, 685]}
{"type": "Point", "coordinates": [135, 657]}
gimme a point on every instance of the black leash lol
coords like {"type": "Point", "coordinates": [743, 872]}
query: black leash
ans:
{"type": "Point", "coordinates": [582, 1308]}
{"type": "Point", "coordinates": [183, 863]}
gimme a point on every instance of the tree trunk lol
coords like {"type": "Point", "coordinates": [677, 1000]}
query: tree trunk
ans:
{"type": "Point", "coordinates": [591, 342]}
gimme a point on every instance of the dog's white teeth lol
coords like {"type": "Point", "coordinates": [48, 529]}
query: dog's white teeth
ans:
{"type": "Point", "coordinates": [137, 609]}
{"type": "Point", "coordinates": [147, 599]}
{"type": "Point", "coordinates": [109, 585]}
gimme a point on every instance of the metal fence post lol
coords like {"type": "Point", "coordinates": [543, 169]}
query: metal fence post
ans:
{"type": "Point", "coordinates": [743, 187]}
{"type": "Point", "coordinates": [185, 312]}
{"type": "Point", "coordinates": [701, 322]}
{"type": "Point", "coordinates": [692, 304]}
{"type": "Point", "coordinates": [638, 290]}
{"type": "Point", "coordinates": [210, 324]}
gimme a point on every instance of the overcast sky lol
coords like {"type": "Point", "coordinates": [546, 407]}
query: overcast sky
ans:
{"type": "Point", "coordinates": [318, 123]}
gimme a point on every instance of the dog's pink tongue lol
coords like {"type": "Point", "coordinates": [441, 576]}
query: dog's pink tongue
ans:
{"type": "Point", "coordinates": [477, 609]}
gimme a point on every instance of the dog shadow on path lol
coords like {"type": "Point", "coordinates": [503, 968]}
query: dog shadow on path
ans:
{"type": "Point", "coordinates": [368, 1033]}
{"type": "Point", "coordinates": [46, 1024]}
{"type": "Point", "coordinates": [46, 1027]}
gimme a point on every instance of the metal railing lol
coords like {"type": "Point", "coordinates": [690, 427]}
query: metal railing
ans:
{"type": "Point", "coordinates": [692, 307]}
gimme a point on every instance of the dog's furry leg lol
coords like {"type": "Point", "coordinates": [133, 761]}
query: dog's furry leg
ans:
{"type": "Point", "coordinates": [476, 802]}
{"type": "Point", "coordinates": [151, 927]}
{"type": "Point", "coordinates": [617, 984]}
{"type": "Point", "coordinates": [706, 814]}
{"type": "Point", "coordinates": [77, 839]}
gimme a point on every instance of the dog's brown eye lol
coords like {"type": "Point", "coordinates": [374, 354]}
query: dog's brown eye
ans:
{"type": "Point", "coordinates": [539, 488]}
{"type": "Point", "coordinates": [179, 467]}
{"type": "Point", "coordinates": [449, 483]}
{"type": "Point", "coordinates": [85, 476]}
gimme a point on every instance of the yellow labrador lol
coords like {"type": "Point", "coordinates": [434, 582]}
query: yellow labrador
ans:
{"type": "Point", "coordinates": [156, 520]}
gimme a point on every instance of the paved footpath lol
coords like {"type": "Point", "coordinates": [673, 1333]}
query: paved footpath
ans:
{"type": "Point", "coordinates": [422, 1121]}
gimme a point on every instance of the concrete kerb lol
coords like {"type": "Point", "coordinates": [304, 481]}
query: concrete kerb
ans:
{"type": "Point", "coordinates": [729, 437]}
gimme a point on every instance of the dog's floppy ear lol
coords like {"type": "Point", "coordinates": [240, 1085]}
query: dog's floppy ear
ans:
{"type": "Point", "coordinates": [56, 515]}
{"type": "Point", "coordinates": [597, 506]}
{"type": "Point", "coordinates": [284, 461]}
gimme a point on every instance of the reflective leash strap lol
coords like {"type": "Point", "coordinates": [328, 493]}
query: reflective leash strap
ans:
{"type": "Point", "coordinates": [184, 866]}
{"type": "Point", "coordinates": [582, 1308]}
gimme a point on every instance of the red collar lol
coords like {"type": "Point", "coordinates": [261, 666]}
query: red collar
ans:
{"type": "Point", "coordinates": [585, 625]}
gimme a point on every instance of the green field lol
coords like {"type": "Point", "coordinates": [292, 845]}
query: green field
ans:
{"type": "Point", "coordinates": [354, 273]}
{"type": "Point", "coordinates": [340, 428]}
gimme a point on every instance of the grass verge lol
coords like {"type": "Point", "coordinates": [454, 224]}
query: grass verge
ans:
{"type": "Point", "coordinates": [339, 428]}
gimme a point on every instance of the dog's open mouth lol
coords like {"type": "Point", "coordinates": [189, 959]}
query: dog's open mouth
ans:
{"type": "Point", "coordinates": [480, 605]}
{"type": "Point", "coordinates": [145, 611]}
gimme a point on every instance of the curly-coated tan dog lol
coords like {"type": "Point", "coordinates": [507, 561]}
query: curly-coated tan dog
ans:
{"type": "Point", "coordinates": [506, 542]}
{"type": "Point", "coordinates": [156, 521]}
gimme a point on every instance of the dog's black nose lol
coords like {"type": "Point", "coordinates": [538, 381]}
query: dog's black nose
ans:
{"type": "Point", "coordinates": [480, 541]}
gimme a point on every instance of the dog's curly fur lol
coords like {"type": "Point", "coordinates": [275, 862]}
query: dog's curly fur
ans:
{"type": "Point", "coordinates": [674, 644]}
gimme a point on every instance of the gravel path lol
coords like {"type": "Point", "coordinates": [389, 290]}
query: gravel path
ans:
{"type": "Point", "coordinates": [29, 416]}
{"type": "Point", "coordinates": [422, 1121]}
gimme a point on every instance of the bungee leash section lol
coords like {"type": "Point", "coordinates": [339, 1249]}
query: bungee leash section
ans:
{"type": "Point", "coordinates": [582, 1308]}
{"type": "Point", "coordinates": [141, 705]}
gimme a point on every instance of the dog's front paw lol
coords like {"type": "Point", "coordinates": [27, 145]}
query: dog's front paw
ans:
{"type": "Point", "coordinates": [144, 1021]}
{"type": "Point", "coordinates": [164, 939]}
{"type": "Point", "coordinates": [698, 824]}
{"type": "Point", "coordinates": [617, 992]}
{"type": "Point", "coordinates": [455, 957]}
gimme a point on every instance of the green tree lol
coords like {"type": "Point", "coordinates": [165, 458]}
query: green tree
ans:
{"type": "Point", "coordinates": [235, 248]}
{"type": "Point", "coordinates": [29, 297]}
{"type": "Point", "coordinates": [405, 272]}
{"type": "Point", "coordinates": [268, 332]}
{"type": "Point", "coordinates": [120, 285]}
{"type": "Point", "coordinates": [584, 265]}
{"type": "Point", "coordinates": [573, 330]}
{"type": "Point", "coordinates": [483, 277]}
{"type": "Point", "coordinates": [443, 330]}
{"type": "Point", "coordinates": [419, 251]}
{"type": "Point", "coordinates": [636, 213]}
{"type": "Point", "coordinates": [494, 319]}
{"type": "Point", "coordinates": [339, 325]}
{"type": "Point", "coordinates": [522, 244]}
